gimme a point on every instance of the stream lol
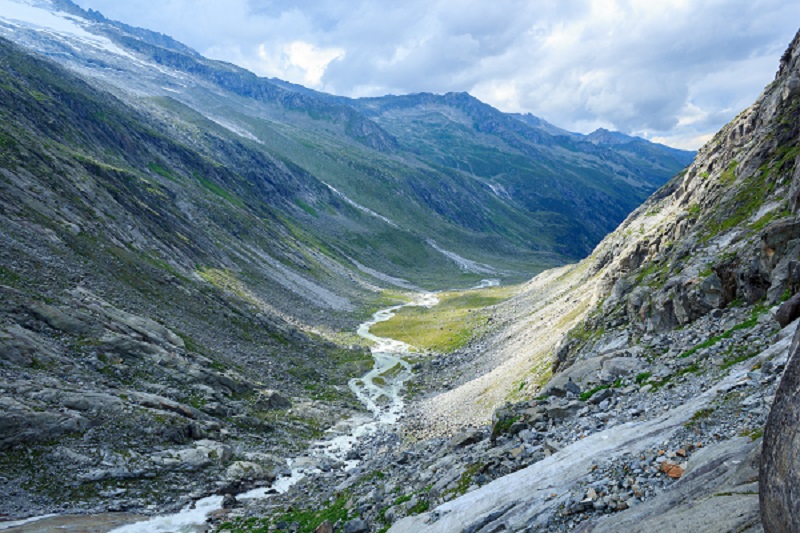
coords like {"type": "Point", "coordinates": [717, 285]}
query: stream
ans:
{"type": "Point", "coordinates": [379, 390]}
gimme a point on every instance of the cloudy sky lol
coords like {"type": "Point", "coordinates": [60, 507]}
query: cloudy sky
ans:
{"type": "Point", "coordinates": [673, 71]}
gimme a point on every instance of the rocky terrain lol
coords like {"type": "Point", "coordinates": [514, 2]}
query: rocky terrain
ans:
{"type": "Point", "coordinates": [187, 250]}
{"type": "Point", "coordinates": [666, 347]}
{"type": "Point", "coordinates": [181, 276]}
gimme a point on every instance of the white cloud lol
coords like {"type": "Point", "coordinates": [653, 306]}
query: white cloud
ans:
{"type": "Point", "coordinates": [674, 70]}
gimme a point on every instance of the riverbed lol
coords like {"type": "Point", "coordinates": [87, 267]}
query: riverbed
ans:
{"type": "Point", "coordinates": [379, 390]}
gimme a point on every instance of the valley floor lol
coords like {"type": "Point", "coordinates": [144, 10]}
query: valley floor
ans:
{"type": "Point", "coordinates": [675, 429]}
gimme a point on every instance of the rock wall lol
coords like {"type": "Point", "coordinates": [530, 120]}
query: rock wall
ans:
{"type": "Point", "coordinates": [779, 477]}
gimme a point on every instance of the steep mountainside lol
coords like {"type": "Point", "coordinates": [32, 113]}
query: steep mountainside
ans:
{"type": "Point", "coordinates": [146, 284]}
{"type": "Point", "coordinates": [551, 175]}
{"type": "Point", "coordinates": [504, 194]}
{"type": "Point", "coordinates": [666, 347]}
{"type": "Point", "coordinates": [674, 334]}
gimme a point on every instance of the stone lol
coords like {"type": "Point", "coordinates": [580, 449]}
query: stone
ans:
{"type": "Point", "coordinates": [779, 476]}
{"type": "Point", "coordinates": [272, 400]}
{"type": "Point", "coordinates": [572, 387]}
{"type": "Point", "coordinates": [619, 366]}
{"type": "Point", "coordinates": [325, 527]}
{"type": "Point", "coordinates": [671, 469]}
{"type": "Point", "coordinates": [466, 438]}
{"type": "Point", "coordinates": [229, 501]}
{"type": "Point", "coordinates": [789, 311]}
{"type": "Point", "coordinates": [562, 411]}
{"type": "Point", "coordinates": [244, 470]}
{"type": "Point", "coordinates": [356, 526]}
{"type": "Point", "coordinates": [76, 324]}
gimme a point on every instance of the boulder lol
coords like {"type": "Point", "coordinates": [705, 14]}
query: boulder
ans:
{"type": "Point", "coordinates": [466, 438]}
{"type": "Point", "coordinates": [325, 527]}
{"type": "Point", "coordinates": [20, 424]}
{"type": "Point", "coordinates": [356, 526]}
{"type": "Point", "coordinates": [74, 323]}
{"type": "Point", "coordinates": [618, 367]}
{"type": "Point", "coordinates": [788, 311]}
{"type": "Point", "coordinates": [270, 399]}
{"type": "Point", "coordinates": [245, 470]}
{"type": "Point", "coordinates": [779, 478]}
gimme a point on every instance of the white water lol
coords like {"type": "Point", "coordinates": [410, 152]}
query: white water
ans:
{"type": "Point", "coordinates": [379, 391]}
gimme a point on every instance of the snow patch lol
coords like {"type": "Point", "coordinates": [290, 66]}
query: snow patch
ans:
{"type": "Point", "coordinates": [463, 263]}
{"type": "Point", "coordinates": [39, 15]}
{"type": "Point", "coordinates": [241, 132]}
{"type": "Point", "coordinates": [360, 207]}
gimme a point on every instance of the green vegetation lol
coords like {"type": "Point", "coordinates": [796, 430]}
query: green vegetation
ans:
{"type": "Point", "coordinates": [444, 327]}
{"type": "Point", "coordinates": [729, 176]}
{"type": "Point", "coordinates": [9, 277]}
{"type": "Point", "coordinates": [464, 482]}
{"type": "Point", "coordinates": [305, 207]}
{"type": "Point", "coordinates": [698, 416]}
{"type": "Point", "coordinates": [162, 171]}
{"type": "Point", "coordinates": [504, 425]}
{"type": "Point", "coordinates": [749, 323]}
{"type": "Point", "coordinates": [642, 377]}
{"type": "Point", "coordinates": [302, 520]}
{"type": "Point", "coordinates": [213, 188]}
{"type": "Point", "coordinates": [655, 271]}
{"type": "Point", "coordinates": [751, 194]}
{"type": "Point", "coordinates": [585, 395]}
{"type": "Point", "coordinates": [754, 434]}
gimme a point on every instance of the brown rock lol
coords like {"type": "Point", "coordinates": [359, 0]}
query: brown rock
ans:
{"type": "Point", "coordinates": [672, 470]}
{"type": "Point", "coordinates": [325, 527]}
{"type": "Point", "coordinates": [676, 472]}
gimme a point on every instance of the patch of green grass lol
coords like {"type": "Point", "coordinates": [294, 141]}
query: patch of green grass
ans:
{"type": "Point", "coordinates": [503, 425]}
{"type": "Point", "coordinates": [216, 189]}
{"type": "Point", "coordinates": [642, 377]}
{"type": "Point", "coordinates": [585, 395]}
{"type": "Point", "coordinates": [421, 506]}
{"type": "Point", "coordinates": [306, 520]}
{"type": "Point", "coordinates": [465, 481]}
{"type": "Point", "coordinates": [754, 434]}
{"type": "Point", "coordinates": [403, 499]}
{"type": "Point", "coordinates": [737, 354]}
{"type": "Point", "coordinates": [162, 171]}
{"type": "Point", "coordinates": [749, 323]}
{"type": "Point", "coordinates": [305, 207]}
{"type": "Point", "coordinates": [591, 392]}
{"type": "Point", "coordinates": [444, 327]}
{"type": "Point", "coordinates": [729, 176]}
{"type": "Point", "coordinates": [698, 416]}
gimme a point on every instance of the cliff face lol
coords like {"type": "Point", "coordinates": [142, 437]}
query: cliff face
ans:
{"type": "Point", "coordinates": [722, 234]}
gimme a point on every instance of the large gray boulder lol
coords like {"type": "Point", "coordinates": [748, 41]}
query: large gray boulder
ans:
{"type": "Point", "coordinates": [779, 477]}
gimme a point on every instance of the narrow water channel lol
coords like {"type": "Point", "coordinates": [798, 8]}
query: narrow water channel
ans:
{"type": "Point", "coordinates": [379, 390]}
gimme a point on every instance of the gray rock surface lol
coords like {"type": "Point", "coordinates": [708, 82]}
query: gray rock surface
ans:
{"type": "Point", "coordinates": [779, 484]}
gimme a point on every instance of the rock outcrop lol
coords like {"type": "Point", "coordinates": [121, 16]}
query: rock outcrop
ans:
{"type": "Point", "coordinates": [779, 480]}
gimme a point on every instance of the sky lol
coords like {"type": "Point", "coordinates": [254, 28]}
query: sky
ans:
{"type": "Point", "coordinates": [672, 71]}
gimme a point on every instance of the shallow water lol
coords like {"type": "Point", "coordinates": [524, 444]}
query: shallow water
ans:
{"type": "Point", "coordinates": [380, 392]}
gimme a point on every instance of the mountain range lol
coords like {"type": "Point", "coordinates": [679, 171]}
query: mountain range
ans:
{"type": "Point", "coordinates": [186, 247]}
